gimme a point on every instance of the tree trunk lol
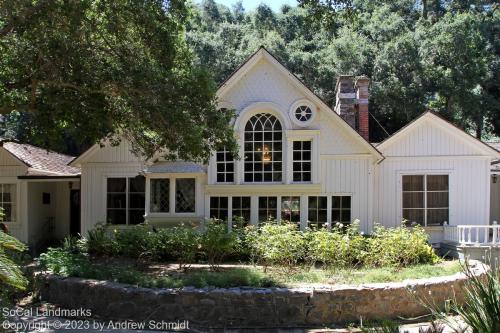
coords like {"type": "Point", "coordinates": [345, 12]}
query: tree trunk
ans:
{"type": "Point", "coordinates": [424, 9]}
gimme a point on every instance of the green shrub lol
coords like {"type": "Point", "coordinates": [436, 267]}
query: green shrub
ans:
{"type": "Point", "coordinates": [135, 242]}
{"type": "Point", "coordinates": [341, 247]}
{"type": "Point", "coordinates": [274, 244]}
{"type": "Point", "coordinates": [400, 246]}
{"type": "Point", "coordinates": [178, 243]}
{"type": "Point", "coordinates": [62, 262]}
{"type": "Point", "coordinates": [329, 248]}
{"type": "Point", "coordinates": [100, 242]}
{"type": "Point", "coordinates": [216, 242]}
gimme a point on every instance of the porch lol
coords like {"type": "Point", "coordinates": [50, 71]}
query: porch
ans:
{"type": "Point", "coordinates": [480, 242]}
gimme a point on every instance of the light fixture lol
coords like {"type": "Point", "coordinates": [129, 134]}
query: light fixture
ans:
{"type": "Point", "coordinates": [266, 157]}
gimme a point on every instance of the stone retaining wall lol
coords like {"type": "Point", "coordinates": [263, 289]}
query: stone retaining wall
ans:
{"type": "Point", "coordinates": [251, 307]}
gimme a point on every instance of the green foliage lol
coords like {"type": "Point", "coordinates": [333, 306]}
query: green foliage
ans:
{"type": "Point", "coordinates": [420, 55]}
{"type": "Point", "coordinates": [135, 242]}
{"type": "Point", "coordinates": [337, 248]}
{"type": "Point", "coordinates": [399, 247]}
{"type": "Point", "coordinates": [480, 307]}
{"type": "Point", "coordinates": [179, 243]}
{"type": "Point", "coordinates": [109, 69]}
{"type": "Point", "coordinates": [384, 326]}
{"type": "Point", "coordinates": [99, 241]}
{"type": "Point", "coordinates": [277, 244]}
{"type": "Point", "coordinates": [217, 242]}
{"type": "Point", "coordinates": [10, 273]}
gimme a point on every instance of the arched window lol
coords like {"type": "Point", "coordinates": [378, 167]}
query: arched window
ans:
{"type": "Point", "coordinates": [263, 149]}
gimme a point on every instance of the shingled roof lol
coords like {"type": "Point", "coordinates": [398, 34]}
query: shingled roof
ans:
{"type": "Point", "coordinates": [41, 162]}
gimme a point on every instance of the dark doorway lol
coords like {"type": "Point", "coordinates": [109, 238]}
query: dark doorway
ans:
{"type": "Point", "coordinates": [74, 212]}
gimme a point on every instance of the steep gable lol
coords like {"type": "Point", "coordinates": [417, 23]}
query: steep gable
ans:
{"type": "Point", "coordinates": [262, 78]}
{"type": "Point", "coordinates": [430, 135]}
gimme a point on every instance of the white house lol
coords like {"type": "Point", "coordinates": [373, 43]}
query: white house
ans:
{"type": "Point", "coordinates": [301, 161]}
{"type": "Point", "coordinates": [39, 193]}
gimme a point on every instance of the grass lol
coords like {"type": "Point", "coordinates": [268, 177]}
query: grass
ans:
{"type": "Point", "coordinates": [165, 276]}
{"type": "Point", "coordinates": [368, 275]}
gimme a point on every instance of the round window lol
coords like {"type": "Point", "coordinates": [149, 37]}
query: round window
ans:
{"type": "Point", "coordinates": [303, 113]}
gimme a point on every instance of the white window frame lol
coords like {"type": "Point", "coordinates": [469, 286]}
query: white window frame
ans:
{"type": "Point", "coordinates": [173, 176]}
{"type": "Point", "coordinates": [302, 161]}
{"type": "Point", "coordinates": [297, 104]}
{"type": "Point", "coordinates": [225, 162]}
{"type": "Point", "coordinates": [283, 152]}
{"type": "Point", "coordinates": [303, 135]}
{"type": "Point", "coordinates": [16, 201]}
{"type": "Point", "coordinates": [448, 173]}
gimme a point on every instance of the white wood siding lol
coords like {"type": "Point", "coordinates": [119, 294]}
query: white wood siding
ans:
{"type": "Point", "coordinates": [468, 188]}
{"type": "Point", "coordinates": [352, 176]}
{"type": "Point", "coordinates": [430, 139]}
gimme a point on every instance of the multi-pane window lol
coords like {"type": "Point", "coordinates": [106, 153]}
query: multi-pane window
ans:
{"type": "Point", "coordinates": [341, 209]}
{"type": "Point", "coordinates": [426, 199]}
{"type": "Point", "coordinates": [290, 209]}
{"type": "Point", "coordinates": [159, 195]}
{"type": "Point", "coordinates": [263, 149]}
{"type": "Point", "coordinates": [317, 214]}
{"type": "Point", "coordinates": [125, 200]}
{"type": "Point", "coordinates": [268, 208]}
{"type": "Point", "coordinates": [225, 166]}
{"type": "Point", "coordinates": [8, 202]}
{"type": "Point", "coordinates": [302, 161]}
{"type": "Point", "coordinates": [241, 208]}
{"type": "Point", "coordinates": [185, 195]}
{"type": "Point", "coordinates": [219, 207]}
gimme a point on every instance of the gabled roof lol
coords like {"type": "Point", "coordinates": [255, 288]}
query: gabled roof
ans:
{"type": "Point", "coordinates": [480, 146]}
{"type": "Point", "coordinates": [41, 162]}
{"type": "Point", "coordinates": [263, 53]}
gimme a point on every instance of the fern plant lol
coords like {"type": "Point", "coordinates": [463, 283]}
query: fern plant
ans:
{"type": "Point", "coordinates": [10, 273]}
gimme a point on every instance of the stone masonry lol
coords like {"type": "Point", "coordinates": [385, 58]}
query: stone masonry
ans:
{"type": "Point", "coordinates": [251, 307]}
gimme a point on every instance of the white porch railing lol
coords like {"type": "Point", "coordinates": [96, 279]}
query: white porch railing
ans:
{"type": "Point", "coordinates": [473, 234]}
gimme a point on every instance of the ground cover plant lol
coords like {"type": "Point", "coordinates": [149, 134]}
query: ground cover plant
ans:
{"type": "Point", "coordinates": [271, 254]}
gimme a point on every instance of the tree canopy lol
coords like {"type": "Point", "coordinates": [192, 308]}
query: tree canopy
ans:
{"type": "Point", "coordinates": [439, 55]}
{"type": "Point", "coordinates": [93, 69]}
{"type": "Point", "coordinates": [83, 70]}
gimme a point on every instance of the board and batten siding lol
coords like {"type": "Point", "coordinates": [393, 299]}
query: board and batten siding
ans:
{"type": "Point", "coordinates": [350, 176]}
{"type": "Point", "coordinates": [433, 147]}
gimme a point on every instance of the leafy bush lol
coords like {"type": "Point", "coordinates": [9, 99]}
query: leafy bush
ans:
{"type": "Point", "coordinates": [178, 243]}
{"type": "Point", "coordinates": [400, 246]}
{"type": "Point", "coordinates": [338, 247]}
{"type": "Point", "coordinates": [277, 244]}
{"type": "Point", "coordinates": [135, 242]}
{"type": "Point", "coordinates": [216, 242]}
{"type": "Point", "coordinates": [100, 242]}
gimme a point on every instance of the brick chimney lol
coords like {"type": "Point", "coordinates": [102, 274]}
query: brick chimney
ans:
{"type": "Point", "coordinates": [352, 102]}
{"type": "Point", "coordinates": [362, 95]}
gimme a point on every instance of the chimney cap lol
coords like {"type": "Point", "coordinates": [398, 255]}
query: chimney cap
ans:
{"type": "Point", "coordinates": [362, 79]}
{"type": "Point", "coordinates": [343, 77]}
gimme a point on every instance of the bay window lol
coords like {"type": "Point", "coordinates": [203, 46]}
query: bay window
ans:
{"type": "Point", "coordinates": [185, 195]}
{"type": "Point", "coordinates": [159, 197]}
